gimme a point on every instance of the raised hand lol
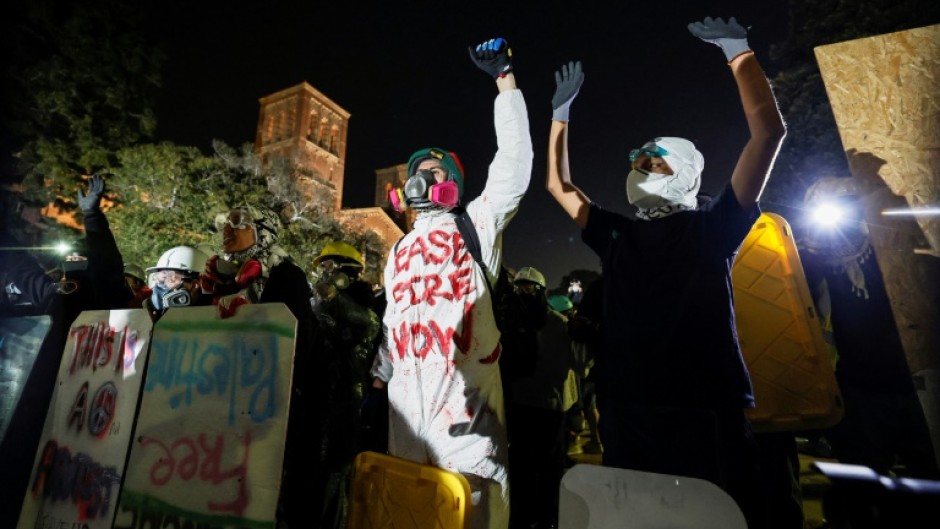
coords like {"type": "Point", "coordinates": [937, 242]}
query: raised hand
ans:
{"type": "Point", "coordinates": [493, 57]}
{"type": "Point", "coordinates": [92, 201]}
{"type": "Point", "coordinates": [568, 82]}
{"type": "Point", "coordinates": [730, 36]}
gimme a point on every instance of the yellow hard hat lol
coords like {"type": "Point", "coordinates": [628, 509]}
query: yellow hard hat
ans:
{"type": "Point", "coordinates": [339, 249]}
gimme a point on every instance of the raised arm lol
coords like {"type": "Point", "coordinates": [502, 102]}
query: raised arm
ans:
{"type": "Point", "coordinates": [558, 180]}
{"type": "Point", "coordinates": [760, 108]}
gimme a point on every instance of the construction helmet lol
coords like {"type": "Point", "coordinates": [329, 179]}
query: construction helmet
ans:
{"type": "Point", "coordinates": [184, 258]}
{"type": "Point", "coordinates": [560, 302]}
{"type": "Point", "coordinates": [527, 273]}
{"type": "Point", "coordinates": [340, 249]}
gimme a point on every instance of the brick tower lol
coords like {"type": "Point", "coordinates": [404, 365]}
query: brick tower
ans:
{"type": "Point", "coordinates": [305, 126]}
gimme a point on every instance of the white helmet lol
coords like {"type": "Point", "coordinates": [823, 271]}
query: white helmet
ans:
{"type": "Point", "coordinates": [527, 273]}
{"type": "Point", "coordinates": [183, 258]}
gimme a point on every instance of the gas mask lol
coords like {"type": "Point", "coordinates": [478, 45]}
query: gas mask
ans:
{"type": "Point", "coordinates": [332, 278]}
{"type": "Point", "coordinates": [169, 289]}
{"type": "Point", "coordinates": [422, 190]}
{"type": "Point", "coordinates": [165, 299]}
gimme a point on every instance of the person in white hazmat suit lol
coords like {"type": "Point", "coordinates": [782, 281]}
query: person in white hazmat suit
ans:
{"type": "Point", "coordinates": [442, 343]}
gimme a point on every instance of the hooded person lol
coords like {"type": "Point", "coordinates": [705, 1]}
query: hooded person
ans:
{"type": "Point", "coordinates": [672, 384]}
{"type": "Point", "coordinates": [442, 341]}
{"type": "Point", "coordinates": [249, 254]}
{"type": "Point", "coordinates": [656, 194]}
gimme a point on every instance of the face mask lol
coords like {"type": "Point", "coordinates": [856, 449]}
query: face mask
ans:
{"type": "Point", "coordinates": [422, 190]}
{"type": "Point", "coordinates": [177, 298]}
{"type": "Point", "coordinates": [649, 190]}
{"type": "Point", "coordinates": [164, 299]}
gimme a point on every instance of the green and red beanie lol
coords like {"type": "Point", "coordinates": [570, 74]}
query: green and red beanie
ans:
{"type": "Point", "coordinates": [448, 159]}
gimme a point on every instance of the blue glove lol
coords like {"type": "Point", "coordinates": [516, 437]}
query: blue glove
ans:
{"type": "Point", "coordinates": [568, 82]}
{"type": "Point", "coordinates": [92, 201]}
{"type": "Point", "coordinates": [731, 37]}
{"type": "Point", "coordinates": [493, 57]}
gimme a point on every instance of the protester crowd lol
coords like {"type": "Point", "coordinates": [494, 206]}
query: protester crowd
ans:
{"type": "Point", "coordinates": [495, 376]}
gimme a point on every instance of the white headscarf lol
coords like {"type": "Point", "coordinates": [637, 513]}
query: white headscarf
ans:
{"type": "Point", "coordinates": [658, 195]}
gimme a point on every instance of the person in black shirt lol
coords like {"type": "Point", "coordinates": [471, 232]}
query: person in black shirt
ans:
{"type": "Point", "coordinates": [672, 384]}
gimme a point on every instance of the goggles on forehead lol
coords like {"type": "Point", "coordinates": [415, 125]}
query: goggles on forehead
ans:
{"type": "Point", "coordinates": [650, 150]}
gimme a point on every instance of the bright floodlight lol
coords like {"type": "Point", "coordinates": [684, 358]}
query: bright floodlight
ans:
{"type": "Point", "coordinates": [827, 214]}
{"type": "Point", "coordinates": [62, 248]}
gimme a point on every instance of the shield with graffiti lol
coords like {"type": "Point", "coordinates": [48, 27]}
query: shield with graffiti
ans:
{"type": "Point", "coordinates": [208, 447]}
{"type": "Point", "coordinates": [80, 458]}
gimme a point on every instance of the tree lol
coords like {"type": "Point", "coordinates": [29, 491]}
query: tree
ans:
{"type": "Point", "coordinates": [167, 195]}
{"type": "Point", "coordinates": [80, 88]}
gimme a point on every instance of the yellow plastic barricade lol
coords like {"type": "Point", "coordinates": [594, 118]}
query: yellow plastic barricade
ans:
{"type": "Point", "coordinates": [393, 493]}
{"type": "Point", "coordinates": [781, 335]}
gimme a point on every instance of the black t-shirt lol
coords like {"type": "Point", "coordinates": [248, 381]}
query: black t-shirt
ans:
{"type": "Point", "coordinates": [669, 329]}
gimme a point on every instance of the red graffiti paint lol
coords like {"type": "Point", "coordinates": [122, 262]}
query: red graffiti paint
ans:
{"type": "Point", "coordinates": [189, 458]}
{"type": "Point", "coordinates": [431, 288]}
{"type": "Point", "coordinates": [435, 250]}
{"type": "Point", "coordinates": [494, 356]}
{"type": "Point", "coordinates": [465, 339]}
{"type": "Point", "coordinates": [92, 346]}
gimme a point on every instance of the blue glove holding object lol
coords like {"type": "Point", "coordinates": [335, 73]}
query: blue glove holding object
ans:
{"type": "Point", "coordinates": [493, 57]}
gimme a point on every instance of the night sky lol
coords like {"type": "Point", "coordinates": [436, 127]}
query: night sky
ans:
{"type": "Point", "coordinates": [403, 72]}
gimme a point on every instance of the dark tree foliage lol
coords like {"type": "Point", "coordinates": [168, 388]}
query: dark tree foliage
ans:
{"type": "Point", "coordinates": [77, 100]}
{"type": "Point", "coordinates": [171, 195]}
{"type": "Point", "coordinates": [81, 87]}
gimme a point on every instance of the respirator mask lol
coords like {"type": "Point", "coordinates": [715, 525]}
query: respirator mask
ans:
{"type": "Point", "coordinates": [329, 271]}
{"type": "Point", "coordinates": [422, 190]}
{"type": "Point", "coordinates": [169, 289]}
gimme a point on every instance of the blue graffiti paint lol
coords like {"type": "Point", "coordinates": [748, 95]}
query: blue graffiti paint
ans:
{"type": "Point", "coordinates": [187, 367]}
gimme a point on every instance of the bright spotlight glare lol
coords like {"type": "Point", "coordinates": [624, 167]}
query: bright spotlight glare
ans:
{"type": "Point", "coordinates": [62, 248]}
{"type": "Point", "coordinates": [827, 214]}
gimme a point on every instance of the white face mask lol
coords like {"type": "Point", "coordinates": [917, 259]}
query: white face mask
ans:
{"type": "Point", "coordinates": [651, 190]}
{"type": "Point", "coordinates": [658, 195]}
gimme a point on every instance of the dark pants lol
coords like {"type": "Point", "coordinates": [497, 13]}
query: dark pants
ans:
{"type": "Point", "coordinates": [536, 465]}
